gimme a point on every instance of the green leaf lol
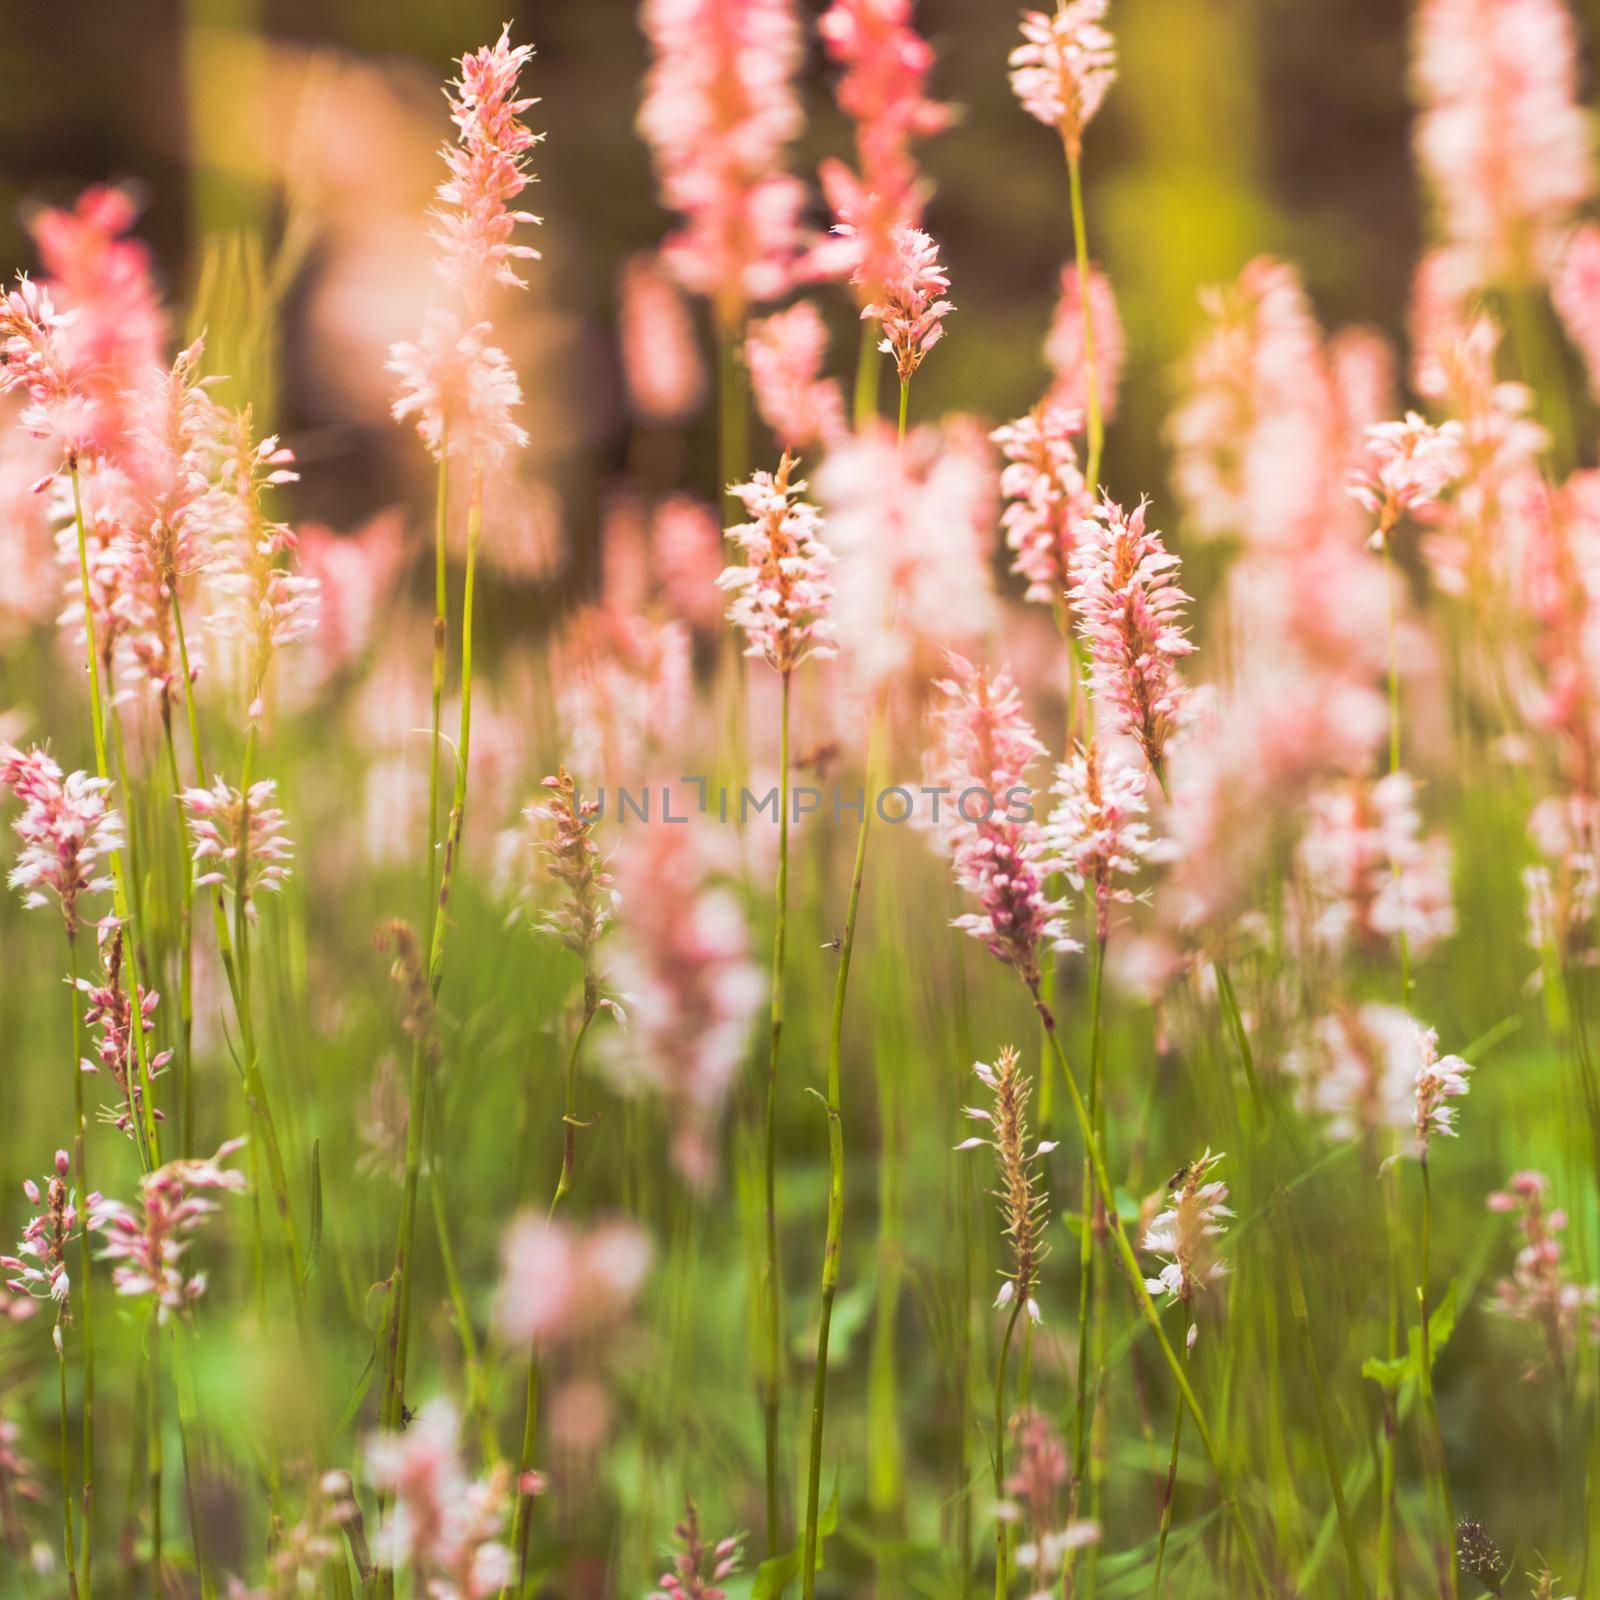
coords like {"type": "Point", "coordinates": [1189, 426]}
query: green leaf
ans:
{"type": "Point", "coordinates": [314, 1247]}
{"type": "Point", "coordinates": [1391, 1373]}
{"type": "Point", "coordinates": [1388, 1374]}
{"type": "Point", "coordinates": [776, 1573]}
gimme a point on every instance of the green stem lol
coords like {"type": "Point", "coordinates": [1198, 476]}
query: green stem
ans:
{"type": "Point", "coordinates": [68, 1538]}
{"type": "Point", "coordinates": [1429, 1401]}
{"type": "Point", "coordinates": [1080, 1452]}
{"type": "Point", "coordinates": [866, 400]}
{"type": "Point", "coordinates": [1141, 1293]}
{"type": "Point", "coordinates": [905, 405]}
{"type": "Point", "coordinates": [834, 1239]}
{"type": "Point", "coordinates": [1002, 1549]}
{"type": "Point", "coordinates": [441, 626]}
{"type": "Point", "coordinates": [772, 1285]}
{"type": "Point", "coordinates": [1091, 383]}
{"type": "Point", "coordinates": [153, 1456]}
{"type": "Point", "coordinates": [86, 1286]}
{"type": "Point", "coordinates": [1170, 1491]}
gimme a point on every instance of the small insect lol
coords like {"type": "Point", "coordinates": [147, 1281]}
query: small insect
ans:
{"type": "Point", "coordinates": [831, 944]}
{"type": "Point", "coordinates": [1181, 1176]}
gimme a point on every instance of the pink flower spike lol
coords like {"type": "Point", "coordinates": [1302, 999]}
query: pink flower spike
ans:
{"type": "Point", "coordinates": [238, 839]}
{"type": "Point", "coordinates": [912, 310]}
{"type": "Point", "coordinates": [1439, 1081]}
{"type": "Point", "coordinates": [39, 1268]}
{"type": "Point", "coordinates": [1047, 497]}
{"type": "Point", "coordinates": [785, 354]}
{"type": "Point", "coordinates": [1129, 609]}
{"type": "Point", "coordinates": [781, 593]}
{"type": "Point", "coordinates": [1064, 346]}
{"type": "Point", "coordinates": [461, 389]}
{"type": "Point", "coordinates": [1576, 293]}
{"type": "Point", "coordinates": [1063, 68]}
{"type": "Point", "coordinates": [1097, 830]}
{"type": "Point", "coordinates": [1409, 464]}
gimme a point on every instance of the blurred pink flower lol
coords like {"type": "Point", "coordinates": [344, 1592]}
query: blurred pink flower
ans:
{"type": "Point", "coordinates": [40, 1263]}
{"type": "Point", "coordinates": [882, 90]}
{"type": "Point", "coordinates": [1576, 293]}
{"type": "Point", "coordinates": [1563, 889]}
{"type": "Point", "coordinates": [1129, 611]}
{"type": "Point", "coordinates": [443, 1526]}
{"type": "Point", "coordinates": [1047, 497]}
{"type": "Point", "coordinates": [982, 749]}
{"type": "Point", "coordinates": [661, 363]}
{"type": "Point", "coordinates": [27, 541]}
{"type": "Point", "coordinates": [461, 389]}
{"type": "Point", "coordinates": [67, 829]}
{"type": "Point", "coordinates": [238, 839]}
{"type": "Point", "coordinates": [108, 1015]}
{"type": "Point", "coordinates": [911, 310]}
{"type": "Point", "coordinates": [1358, 1070]}
{"type": "Point", "coordinates": [1439, 314]}
{"type": "Point", "coordinates": [1408, 466]}
{"type": "Point", "coordinates": [1500, 133]}
{"type": "Point", "coordinates": [697, 1569]}
{"type": "Point", "coordinates": [1541, 1289]}
{"type": "Point", "coordinates": [682, 962]}
{"type": "Point", "coordinates": [147, 1243]}
{"type": "Point", "coordinates": [719, 107]}
{"type": "Point", "coordinates": [1370, 876]}
{"type": "Point", "coordinates": [786, 354]}
{"type": "Point", "coordinates": [1361, 364]}
{"type": "Point", "coordinates": [686, 552]}
{"type": "Point", "coordinates": [1063, 345]}
{"type": "Point", "coordinates": [780, 593]}
{"type": "Point", "coordinates": [1063, 68]}
{"type": "Point", "coordinates": [562, 1285]}
{"type": "Point", "coordinates": [355, 574]}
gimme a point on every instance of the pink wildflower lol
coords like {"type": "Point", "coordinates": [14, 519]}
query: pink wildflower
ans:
{"type": "Point", "coordinates": [1064, 347]}
{"type": "Point", "coordinates": [1047, 497]}
{"type": "Point", "coordinates": [148, 1243]}
{"type": "Point", "coordinates": [1064, 67]}
{"type": "Point", "coordinates": [1097, 830]}
{"type": "Point", "coordinates": [1439, 1081]}
{"type": "Point", "coordinates": [443, 1526]}
{"type": "Point", "coordinates": [780, 593]}
{"type": "Point", "coordinates": [683, 960]}
{"type": "Point", "coordinates": [1129, 609]}
{"type": "Point", "coordinates": [1576, 293]}
{"type": "Point", "coordinates": [661, 365]}
{"type": "Point", "coordinates": [697, 1571]}
{"type": "Point", "coordinates": [562, 1285]}
{"type": "Point", "coordinates": [686, 551]}
{"type": "Point", "coordinates": [1358, 1070]}
{"type": "Point", "coordinates": [1023, 1201]}
{"type": "Point", "coordinates": [983, 747]}
{"type": "Point", "coordinates": [1034, 1491]}
{"type": "Point", "coordinates": [573, 859]}
{"type": "Point", "coordinates": [785, 354]}
{"type": "Point", "coordinates": [262, 600]}
{"type": "Point", "coordinates": [108, 1014]}
{"type": "Point", "coordinates": [1563, 889]}
{"type": "Point", "coordinates": [66, 828]}
{"type": "Point", "coordinates": [461, 388]}
{"type": "Point", "coordinates": [40, 1263]}
{"type": "Point", "coordinates": [239, 840]}
{"type": "Point", "coordinates": [1186, 1231]}
{"type": "Point", "coordinates": [1409, 465]}
{"type": "Point", "coordinates": [719, 107]}
{"type": "Point", "coordinates": [1371, 877]}
{"type": "Point", "coordinates": [883, 92]}
{"type": "Point", "coordinates": [1500, 133]}
{"type": "Point", "coordinates": [1540, 1289]}
{"type": "Point", "coordinates": [912, 309]}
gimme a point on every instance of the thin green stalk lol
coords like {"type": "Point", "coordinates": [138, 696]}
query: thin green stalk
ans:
{"type": "Point", "coordinates": [68, 1538]}
{"type": "Point", "coordinates": [1080, 245]}
{"type": "Point", "coordinates": [185, 942]}
{"type": "Point", "coordinates": [441, 628]}
{"type": "Point", "coordinates": [85, 1285]}
{"type": "Point", "coordinates": [835, 1227]}
{"type": "Point", "coordinates": [905, 403]}
{"type": "Point", "coordinates": [866, 399]}
{"type": "Point", "coordinates": [1002, 1546]}
{"type": "Point", "coordinates": [1425, 1382]}
{"type": "Point", "coordinates": [772, 1286]}
{"type": "Point", "coordinates": [1169, 1492]}
{"type": "Point", "coordinates": [478, 1405]}
{"type": "Point", "coordinates": [1388, 1554]}
{"type": "Point", "coordinates": [153, 1456]}
{"type": "Point", "coordinates": [1141, 1293]}
{"type": "Point", "coordinates": [144, 1122]}
{"type": "Point", "coordinates": [1086, 1223]}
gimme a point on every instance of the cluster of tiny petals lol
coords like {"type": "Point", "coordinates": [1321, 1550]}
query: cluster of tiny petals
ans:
{"type": "Point", "coordinates": [238, 838]}
{"type": "Point", "coordinates": [461, 389]}
{"type": "Point", "coordinates": [1045, 493]}
{"type": "Point", "coordinates": [443, 1526]}
{"type": "Point", "coordinates": [1440, 1079]}
{"type": "Point", "coordinates": [39, 1267]}
{"type": "Point", "coordinates": [983, 748]}
{"type": "Point", "coordinates": [31, 360]}
{"type": "Point", "coordinates": [1064, 67]}
{"type": "Point", "coordinates": [1022, 1201]}
{"type": "Point", "coordinates": [1185, 1232]}
{"type": "Point", "coordinates": [147, 1242]}
{"type": "Point", "coordinates": [1129, 611]}
{"type": "Point", "coordinates": [1408, 466]}
{"type": "Point", "coordinates": [785, 354]}
{"type": "Point", "coordinates": [698, 1570]}
{"type": "Point", "coordinates": [913, 308]}
{"type": "Point", "coordinates": [780, 592]}
{"type": "Point", "coordinates": [1540, 1289]}
{"type": "Point", "coordinates": [487, 165]}
{"type": "Point", "coordinates": [573, 858]}
{"type": "Point", "coordinates": [719, 107]}
{"type": "Point", "coordinates": [66, 827]}
{"type": "Point", "coordinates": [1097, 829]}
{"type": "Point", "coordinates": [108, 1014]}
